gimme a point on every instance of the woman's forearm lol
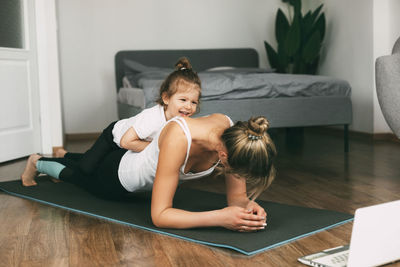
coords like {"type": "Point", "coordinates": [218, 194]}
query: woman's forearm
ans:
{"type": "Point", "coordinates": [236, 193]}
{"type": "Point", "coordinates": [181, 219]}
{"type": "Point", "coordinates": [233, 218]}
{"type": "Point", "coordinates": [240, 201]}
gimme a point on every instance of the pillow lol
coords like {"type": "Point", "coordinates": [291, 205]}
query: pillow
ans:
{"type": "Point", "coordinates": [135, 71]}
{"type": "Point", "coordinates": [135, 66]}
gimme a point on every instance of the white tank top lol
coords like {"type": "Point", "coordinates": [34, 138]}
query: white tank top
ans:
{"type": "Point", "coordinates": [137, 171]}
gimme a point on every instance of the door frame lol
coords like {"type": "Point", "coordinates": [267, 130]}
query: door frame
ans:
{"type": "Point", "coordinates": [49, 75]}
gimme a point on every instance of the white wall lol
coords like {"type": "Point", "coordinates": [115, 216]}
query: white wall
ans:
{"type": "Point", "coordinates": [348, 54]}
{"type": "Point", "coordinates": [91, 32]}
{"type": "Point", "coordinates": [359, 31]}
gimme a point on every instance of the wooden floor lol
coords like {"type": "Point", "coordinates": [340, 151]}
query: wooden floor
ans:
{"type": "Point", "coordinates": [313, 171]}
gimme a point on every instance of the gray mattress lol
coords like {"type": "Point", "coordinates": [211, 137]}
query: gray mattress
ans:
{"type": "Point", "coordinates": [286, 100]}
{"type": "Point", "coordinates": [281, 112]}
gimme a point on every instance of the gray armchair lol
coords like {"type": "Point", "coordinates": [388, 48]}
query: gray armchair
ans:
{"type": "Point", "coordinates": [387, 77]}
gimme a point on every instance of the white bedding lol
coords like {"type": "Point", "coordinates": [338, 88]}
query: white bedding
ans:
{"type": "Point", "coordinates": [132, 96]}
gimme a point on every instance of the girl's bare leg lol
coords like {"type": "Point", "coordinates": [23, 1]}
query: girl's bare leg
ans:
{"type": "Point", "coordinates": [60, 153]}
{"type": "Point", "coordinates": [28, 176]}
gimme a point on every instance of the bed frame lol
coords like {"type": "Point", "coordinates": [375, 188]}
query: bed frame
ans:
{"type": "Point", "coordinates": [282, 112]}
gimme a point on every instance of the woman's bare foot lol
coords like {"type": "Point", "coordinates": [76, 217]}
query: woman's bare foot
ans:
{"type": "Point", "coordinates": [60, 153]}
{"type": "Point", "coordinates": [28, 176]}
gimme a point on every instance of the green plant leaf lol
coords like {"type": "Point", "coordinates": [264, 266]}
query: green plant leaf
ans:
{"type": "Point", "coordinates": [283, 60]}
{"type": "Point", "coordinates": [320, 26]}
{"type": "Point", "coordinates": [315, 14]}
{"type": "Point", "coordinates": [300, 43]}
{"type": "Point", "coordinates": [281, 27]}
{"type": "Point", "coordinates": [308, 14]}
{"type": "Point", "coordinates": [307, 26]}
{"type": "Point", "coordinates": [292, 41]}
{"type": "Point", "coordinates": [313, 66]}
{"type": "Point", "coordinates": [297, 7]}
{"type": "Point", "coordinates": [272, 55]}
{"type": "Point", "coordinates": [312, 47]}
{"type": "Point", "coordinates": [307, 17]}
{"type": "Point", "coordinates": [301, 67]}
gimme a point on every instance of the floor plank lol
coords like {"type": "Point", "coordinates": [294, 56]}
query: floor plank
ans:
{"type": "Point", "coordinates": [90, 242]}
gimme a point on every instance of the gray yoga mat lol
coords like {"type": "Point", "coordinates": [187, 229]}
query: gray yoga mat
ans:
{"type": "Point", "coordinates": [286, 223]}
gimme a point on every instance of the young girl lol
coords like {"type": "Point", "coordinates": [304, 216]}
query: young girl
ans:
{"type": "Point", "coordinates": [179, 96]}
{"type": "Point", "coordinates": [184, 149]}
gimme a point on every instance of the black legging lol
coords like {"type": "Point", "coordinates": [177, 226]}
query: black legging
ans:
{"type": "Point", "coordinates": [96, 170]}
{"type": "Point", "coordinates": [103, 182]}
{"type": "Point", "coordinates": [89, 160]}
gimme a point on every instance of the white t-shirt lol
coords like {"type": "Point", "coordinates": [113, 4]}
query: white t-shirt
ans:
{"type": "Point", "coordinates": [137, 171]}
{"type": "Point", "coordinates": [146, 124]}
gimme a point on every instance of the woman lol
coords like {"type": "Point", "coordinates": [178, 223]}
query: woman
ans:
{"type": "Point", "coordinates": [184, 149]}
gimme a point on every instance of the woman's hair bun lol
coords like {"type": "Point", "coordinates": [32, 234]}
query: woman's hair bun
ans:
{"type": "Point", "coordinates": [258, 125]}
{"type": "Point", "coordinates": [183, 63]}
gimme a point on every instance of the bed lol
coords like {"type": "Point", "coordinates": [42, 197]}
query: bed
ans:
{"type": "Point", "coordinates": [286, 100]}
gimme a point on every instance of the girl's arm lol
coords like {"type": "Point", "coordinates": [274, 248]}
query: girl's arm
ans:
{"type": "Point", "coordinates": [173, 146]}
{"type": "Point", "coordinates": [131, 141]}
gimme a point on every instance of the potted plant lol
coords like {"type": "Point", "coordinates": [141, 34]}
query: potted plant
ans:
{"type": "Point", "coordinates": [299, 40]}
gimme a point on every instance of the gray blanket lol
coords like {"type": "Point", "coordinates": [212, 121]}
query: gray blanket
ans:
{"type": "Point", "coordinates": [247, 83]}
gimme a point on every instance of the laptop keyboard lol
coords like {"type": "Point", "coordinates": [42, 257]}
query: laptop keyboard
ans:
{"type": "Point", "coordinates": [340, 258]}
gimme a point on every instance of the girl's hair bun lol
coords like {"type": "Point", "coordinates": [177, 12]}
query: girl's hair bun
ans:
{"type": "Point", "coordinates": [183, 72]}
{"type": "Point", "coordinates": [258, 125]}
{"type": "Point", "coordinates": [183, 63]}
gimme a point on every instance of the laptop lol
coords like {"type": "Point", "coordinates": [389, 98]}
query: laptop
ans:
{"type": "Point", "coordinates": [375, 240]}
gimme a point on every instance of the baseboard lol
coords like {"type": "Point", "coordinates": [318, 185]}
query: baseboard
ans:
{"type": "Point", "coordinates": [386, 136]}
{"type": "Point", "coordinates": [320, 129]}
{"type": "Point", "coordinates": [81, 136]}
{"type": "Point", "coordinates": [356, 134]}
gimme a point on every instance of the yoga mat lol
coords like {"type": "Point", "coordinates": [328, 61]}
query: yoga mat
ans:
{"type": "Point", "coordinates": [286, 223]}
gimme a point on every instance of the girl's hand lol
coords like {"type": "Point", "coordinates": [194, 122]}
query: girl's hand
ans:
{"type": "Point", "coordinates": [256, 209]}
{"type": "Point", "coordinates": [242, 220]}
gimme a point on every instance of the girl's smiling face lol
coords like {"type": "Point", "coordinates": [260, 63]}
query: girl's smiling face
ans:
{"type": "Point", "coordinates": [184, 102]}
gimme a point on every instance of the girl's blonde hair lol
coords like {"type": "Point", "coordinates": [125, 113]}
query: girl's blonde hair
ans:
{"type": "Point", "coordinates": [251, 153]}
{"type": "Point", "coordinates": [183, 73]}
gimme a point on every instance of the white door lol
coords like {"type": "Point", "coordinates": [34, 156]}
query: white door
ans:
{"type": "Point", "coordinates": [19, 91]}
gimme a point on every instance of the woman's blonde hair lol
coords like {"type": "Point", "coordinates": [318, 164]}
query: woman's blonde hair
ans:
{"type": "Point", "coordinates": [183, 73]}
{"type": "Point", "coordinates": [251, 153]}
